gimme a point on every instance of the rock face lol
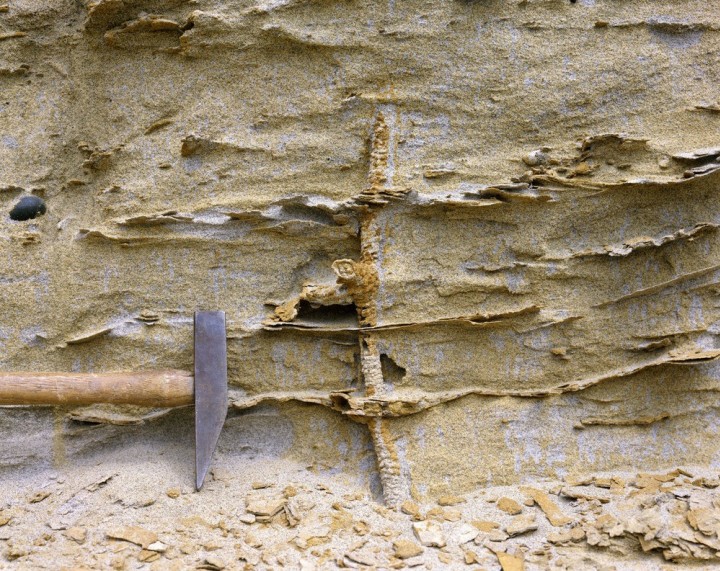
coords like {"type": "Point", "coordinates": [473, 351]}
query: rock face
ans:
{"type": "Point", "coordinates": [459, 243]}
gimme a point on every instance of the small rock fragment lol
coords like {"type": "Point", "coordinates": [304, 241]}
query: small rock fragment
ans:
{"type": "Point", "coordinates": [586, 493]}
{"type": "Point", "coordinates": [551, 510]}
{"type": "Point", "coordinates": [28, 207]}
{"type": "Point", "coordinates": [521, 524]}
{"type": "Point", "coordinates": [253, 541]}
{"type": "Point", "coordinates": [704, 520]}
{"type": "Point", "coordinates": [39, 496]}
{"type": "Point", "coordinates": [496, 535]}
{"type": "Point", "coordinates": [148, 556]}
{"type": "Point", "coordinates": [509, 506]}
{"type": "Point", "coordinates": [578, 480]}
{"type": "Point", "coordinates": [582, 169]}
{"type": "Point", "coordinates": [220, 474]}
{"type": "Point", "coordinates": [404, 549]}
{"type": "Point", "coordinates": [265, 508]}
{"type": "Point", "coordinates": [143, 502]}
{"type": "Point", "coordinates": [251, 556]}
{"type": "Point", "coordinates": [248, 518]}
{"type": "Point", "coordinates": [134, 534]}
{"type": "Point", "coordinates": [464, 533]}
{"type": "Point", "coordinates": [429, 533]}
{"type": "Point", "coordinates": [485, 526]}
{"type": "Point", "coordinates": [4, 519]}
{"type": "Point", "coordinates": [565, 536]}
{"type": "Point", "coordinates": [560, 352]}
{"type": "Point", "coordinates": [211, 545]}
{"type": "Point", "coordinates": [410, 508]}
{"type": "Point", "coordinates": [450, 500]}
{"type": "Point", "coordinates": [418, 561]}
{"type": "Point", "coordinates": [510, 562]}
{"type": "Point", "coordinates": [261, 485]}
{"type": "Point", "coordinates": [309, 537]}
{"type": "Point", "coordinates": [711, 482]}
{"type": "Point", "coordinates": [77, 534]}
{"type": "Point", "coordinates": [596, 538]}
{"type": "Point", "coordinates": [213, 562]}
{"type": "Point", "coordinates": [16, 552]}
{"type": "Point", "coordinates": [602, 482]}
{"type": "Point", "coordinates": [364, 559]}
{"type": "Point", "coordinates": [452, 515]}
{"type": "Point", "coordinates": [101, 483]}
{"type": "Point", "coordinates": [535, 158]}
{"type": "Point", "coordinates": [438, 172]}
{"type": "Point", "coordinates": [173, 493]}
{"type": "Point", "coordinates": [292, 513]}
{"type": "Point", "coordinates": [57, 524]}
{"type": "Point", "coordinates": [158, 547]}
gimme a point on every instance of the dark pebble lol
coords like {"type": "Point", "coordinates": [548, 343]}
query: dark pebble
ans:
{"type": "Point", "coordinates": [28, 207]}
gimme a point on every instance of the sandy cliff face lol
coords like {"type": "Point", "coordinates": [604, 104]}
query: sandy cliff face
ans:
{"type": "Point", "coordinates": [460, 244]}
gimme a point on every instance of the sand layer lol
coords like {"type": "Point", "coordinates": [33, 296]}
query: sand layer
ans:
{"type": "Point", "coordinates": [464, 247]}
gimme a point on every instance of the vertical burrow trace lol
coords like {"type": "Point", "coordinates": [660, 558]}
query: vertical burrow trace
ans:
{"type": "Point", "coordinates": [362, 282]}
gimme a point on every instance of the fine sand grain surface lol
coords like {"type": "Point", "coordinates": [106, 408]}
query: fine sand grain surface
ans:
{"type": "Point", "coordinates": [469, 257]}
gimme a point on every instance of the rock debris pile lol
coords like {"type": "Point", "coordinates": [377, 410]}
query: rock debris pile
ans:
{"type": "Point", "coordinates": [308, 523]}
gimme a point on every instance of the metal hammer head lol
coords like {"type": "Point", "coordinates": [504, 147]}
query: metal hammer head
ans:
{"type": "Point", "coordinates": [211, 391]}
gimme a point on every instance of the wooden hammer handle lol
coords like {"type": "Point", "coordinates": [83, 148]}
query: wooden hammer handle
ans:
{"type": "Point", "coordinates": [165, 388]}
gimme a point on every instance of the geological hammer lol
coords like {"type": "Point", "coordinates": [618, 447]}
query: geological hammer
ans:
{"type": "Point", "coordinates": [207, 389]}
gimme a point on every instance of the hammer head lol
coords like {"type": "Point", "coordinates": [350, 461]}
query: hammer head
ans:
{"type": "Point", "coordinates": [211, 392]}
